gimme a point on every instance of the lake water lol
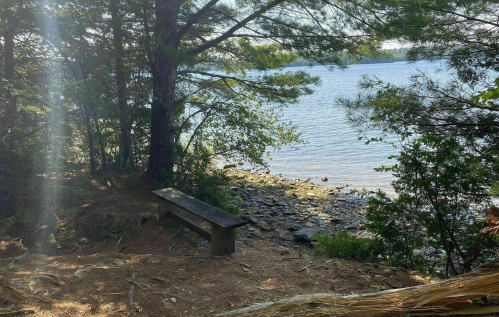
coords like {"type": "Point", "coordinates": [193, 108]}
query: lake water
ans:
{"type": "Point", "coordinates": [333, 148]}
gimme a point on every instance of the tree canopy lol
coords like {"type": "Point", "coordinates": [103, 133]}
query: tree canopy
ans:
{"type": "Point", "coordinates": [162, 86]}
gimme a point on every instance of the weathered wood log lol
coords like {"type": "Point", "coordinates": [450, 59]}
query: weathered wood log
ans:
{"type": "Point", "coordinates": [450, 297]}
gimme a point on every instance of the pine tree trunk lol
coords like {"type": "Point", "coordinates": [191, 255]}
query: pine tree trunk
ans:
{"type": "Point", "coordinates": [90, 135]}
{"type": "Point", "coordinates": [81, 75]}
{"type": "Point", "coordinates": [125, 160]}
{"type": "Point", "coordinates": [161, 159]}
{"type": "Point", "coordinates": [101, 141]}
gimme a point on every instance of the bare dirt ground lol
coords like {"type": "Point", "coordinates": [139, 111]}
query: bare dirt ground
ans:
{"type": "Point", "coordinates": [130, 266]}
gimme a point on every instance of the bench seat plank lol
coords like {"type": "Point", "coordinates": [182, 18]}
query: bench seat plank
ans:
{"type": "Point", "coordinates": [211, 214]}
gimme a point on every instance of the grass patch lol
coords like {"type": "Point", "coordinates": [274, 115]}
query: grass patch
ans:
{"type": "Point", "coordinates": [344, 245]}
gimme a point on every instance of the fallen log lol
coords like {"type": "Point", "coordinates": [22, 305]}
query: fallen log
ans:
{"type": "Point", "coordinates": [454, 296]}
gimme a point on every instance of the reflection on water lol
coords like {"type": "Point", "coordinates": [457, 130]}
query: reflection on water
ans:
{"type": "Point", "coordinates": [333, 148]}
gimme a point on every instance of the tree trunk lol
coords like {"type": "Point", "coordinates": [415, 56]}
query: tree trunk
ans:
{"type": "Point", "coordinates": [90, 135]}
{"type": "Point", "coordinates": [161, 159]}
{"type": "Point", "coordinates": [15, 185]}
{"type": "Point", "coordinates": [125, 159]}
{"type": "Point", "coordinates": [101, 141]}
{"type": "Point", "coordinates": [80, 74]}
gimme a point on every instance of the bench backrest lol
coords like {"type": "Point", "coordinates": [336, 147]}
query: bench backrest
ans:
{"type": "Point", "coordinates": [201, 209]}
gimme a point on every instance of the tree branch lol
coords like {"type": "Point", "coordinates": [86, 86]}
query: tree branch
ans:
{"type": "Point", "coordinates": [196, 17]}
{"type": "Point", "coordinates": [236, 27]}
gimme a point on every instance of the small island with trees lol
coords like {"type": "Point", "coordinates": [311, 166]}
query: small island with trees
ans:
{"type": "Point", "coordinates": [103, 102]}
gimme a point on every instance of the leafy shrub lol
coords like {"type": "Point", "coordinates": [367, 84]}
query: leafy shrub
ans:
{"type": "Point", "coordinates": [439, 211]}
{"type": "Point", "coordinates": [210, 189]}
{"type": "Point", "coordinates": [399, 228]}
{"type": "Point", "coordinates": [196, 176]}
{"type": "Point", "coordinates": [103, 235]}
{"type": "Point", "coordinates": [344, 245]}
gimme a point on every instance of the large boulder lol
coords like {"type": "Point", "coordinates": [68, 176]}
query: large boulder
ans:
{"type": "Point", "coordinates": [306, 235]}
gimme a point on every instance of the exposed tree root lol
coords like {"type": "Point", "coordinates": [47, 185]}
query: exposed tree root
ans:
{"type": "Point", "coordinates": [9, 293]}
{"type": "Point", "coordinates": [16, 312]}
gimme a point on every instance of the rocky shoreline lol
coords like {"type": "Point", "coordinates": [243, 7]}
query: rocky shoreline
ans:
{"type": "Point", "coordinates": [293, 210]}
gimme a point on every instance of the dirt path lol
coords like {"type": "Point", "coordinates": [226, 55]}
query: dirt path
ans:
{"type": "Point", "coordinates": [188, 282]}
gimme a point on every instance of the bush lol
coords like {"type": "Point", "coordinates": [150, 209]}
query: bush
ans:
{"type": "Point", "coordinates": [210, 189]}
{"type": "Point", "coordinates": [400, 229]}
{"type": "Point", "coordinates": [440, 208]}
{"type": "Point", "coordinates": [344, 245]}
{"type": "Point", "coordinates": [196, 176]}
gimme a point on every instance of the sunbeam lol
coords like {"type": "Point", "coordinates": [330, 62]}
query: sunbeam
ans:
{"type": "Point", "coordinates": [54, 132]}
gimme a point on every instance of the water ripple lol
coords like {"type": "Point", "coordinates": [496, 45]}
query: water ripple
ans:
{"type": "Point", "coordinates": [333, 148]}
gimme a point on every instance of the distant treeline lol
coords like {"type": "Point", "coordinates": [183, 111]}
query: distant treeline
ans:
{"type": "Point", "coordinates": [386, 56]}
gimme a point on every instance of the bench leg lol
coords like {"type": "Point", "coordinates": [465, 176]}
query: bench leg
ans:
{"type": "Point", "coordinates": [222, 241]}
{"type": "Point", "coordinates": [163, 212]}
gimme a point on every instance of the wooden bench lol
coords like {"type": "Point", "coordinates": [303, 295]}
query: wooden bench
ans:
{"type": "Point", "coordinates": [209, 222]}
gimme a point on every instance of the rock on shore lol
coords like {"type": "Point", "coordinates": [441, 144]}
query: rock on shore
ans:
{"type": "Point", "coordinates": [284, 209]}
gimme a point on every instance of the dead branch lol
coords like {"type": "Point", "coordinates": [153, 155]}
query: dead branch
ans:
{"type": "Point", "coordinates": [137, 284]}
{"type": "Point", "coordinates": [450, 297]}
{"type": "Point", "coordinates": [49, 277]}
{"type": "Point", "coordinates": [159, 279]}
{"type": "Point", "coordinates": [130, 293]}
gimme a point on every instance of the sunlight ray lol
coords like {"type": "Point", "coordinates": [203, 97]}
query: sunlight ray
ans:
{"type": "Point", "coordinates": [54, 132]}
